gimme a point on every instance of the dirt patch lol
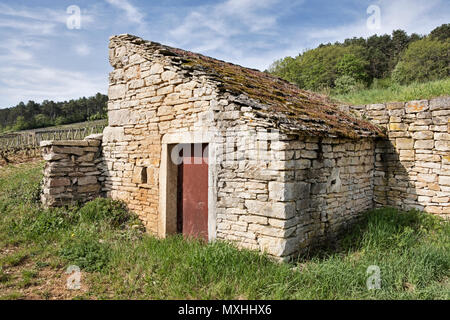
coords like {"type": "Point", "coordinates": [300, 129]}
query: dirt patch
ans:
{"type": "Point", "coordinates": [18, 158]}
{"type": "Point", "coordinates": [28, 280]}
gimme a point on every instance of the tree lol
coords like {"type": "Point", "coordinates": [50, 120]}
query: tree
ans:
{"type": "Point", "coordinates": [352, 66]}
{"type": "Point", "coordinates": [424, 60]}
{"type": "Point", "coordinates": [34, 115]}
{"type": "Point", "coordinates": [284, 68]}
{"type": "Point", "coordinates": [441, 33]}
{"type": "Point", "coordinates": [316, 69]}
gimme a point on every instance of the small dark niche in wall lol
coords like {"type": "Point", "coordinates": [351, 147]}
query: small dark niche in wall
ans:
{"type": "Point", "coordinates": [144, 175]}
{"type": "Point", "coordinates": [320, 151]}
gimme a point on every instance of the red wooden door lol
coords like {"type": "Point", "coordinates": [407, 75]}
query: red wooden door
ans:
{"type": "Point", "coordinates": [193, 192]}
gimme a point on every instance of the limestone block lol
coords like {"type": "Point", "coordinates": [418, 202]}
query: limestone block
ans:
{"type": "Point", "coordinates": [424, 177]}
{"type": "Point", "coordinates": [398, 126]}
{"type": "Point", "coordinates": [165, 90]}
{"type": "Point", "coordinates": [302, 190]}
{"type": "Point", "coordinates": [404, 143]}
{"type": "Point", "coordinates": [113, 134]}
{"type": "Point", "coordinates": [442, 136]}
{"type": "Point", "coordinates": [395, 105]}
{"type": "Point", "coordinates": [122, 117]}
{"type": "Point", "coordinates": [117, 91]}
{"type": "Point", "coordinates": [54, 156]}
{"type": "Point", "coordinates": [82, 181]}
{"type": "Point", "coordinates": [271, 209]}
{"type": "Point", "coordinates": [442, 103]}
{"type": "Point", "coordinates": [89, 157]}
{"type": "Point", "coordinates": [444, 180]}
{"type": "Point", "coordinates": [424, 144]}
{"type": "Point", "coordinates": [68, 150]}
{"type": "Point", "coordinates": [156, 68]}
{"type": "Point", "coordinates": [278, 247]}
{"type": "Point", "coordinates": [416, 106]}
{"type": "Point", "coordinates": [89, 188]}
{"type": "Point", "coordinates": [442, 145]}
{"type": "Point", "coordinates": [281, 191]}
{"type": "Point", "coordinates": [59, 182]}
{"type": "Point", "coordinates": [423, 135]}
{"type": "Point", "coordinates": [168, 75]}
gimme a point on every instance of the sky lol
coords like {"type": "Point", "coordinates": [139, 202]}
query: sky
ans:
{"type": "Point", "coordinates": [58, 50]}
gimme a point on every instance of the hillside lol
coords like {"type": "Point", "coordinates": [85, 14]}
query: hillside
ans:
{"type": "Point", "coordinates": [34, 115]}
{"type": "Point", "coordinates": [378, 62]}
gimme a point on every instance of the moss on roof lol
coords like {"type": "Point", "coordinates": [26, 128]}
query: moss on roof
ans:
{"type": "Point", "coordinates": [288, 106]}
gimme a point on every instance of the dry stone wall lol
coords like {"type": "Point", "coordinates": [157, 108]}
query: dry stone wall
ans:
{"type": "Point", "coordinates": [72, 171]}
{"type": "Point", "coordinates": [413, 165]}
{"type": "Point", "coordinates": [310, 191]}
{"type": "Point", "coordinates": [332, 185]}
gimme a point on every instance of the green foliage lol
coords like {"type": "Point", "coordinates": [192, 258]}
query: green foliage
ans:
{"type": "Point", "coordinates": [112, 212]}
{"type": "Point", "coordinates": [87, 254]}
{"type": "Point", "coordinates": [441, 33]}
{"type": "Point", "coordinates": [346, 84]}
{"type": "Point", "coordinates": [424, 60]}
{"type": "Point", "coordinates": [48, 113]}
{"type": "Point", "coordinates": [352, 66]}
{"type": "Point", "coordinates": [385, 91]}
{"type": "Point", "coordinates": [318, 68]}
{"type": "Point", "coordinates": [284, 68]}
{"type": "Point", "coordinates": [406, 58]}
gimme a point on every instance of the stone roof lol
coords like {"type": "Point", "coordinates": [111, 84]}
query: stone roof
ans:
{"type": "Point", "coordinates": [273, 99]}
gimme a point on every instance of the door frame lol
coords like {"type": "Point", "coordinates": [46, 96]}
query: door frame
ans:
{"type": "Point", "coordinates": [168, 174]}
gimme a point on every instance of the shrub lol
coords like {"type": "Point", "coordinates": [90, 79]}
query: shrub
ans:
{"type": "Point", "coordinates": [424, 60]}
{"type": "Point", "coordinates": [346, 84]}
{"type": "Point", "coordinates": [110, 211]}
{"type": "Point", "coordinates": [352, 66]}
{"type": "Point", "coordinates": [89, 254]}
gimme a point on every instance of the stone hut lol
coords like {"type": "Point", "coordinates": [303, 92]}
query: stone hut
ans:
{"type": "Point", "coordinates": [210, 149]}
{"type": "Point", "coordinates": [260, 162]}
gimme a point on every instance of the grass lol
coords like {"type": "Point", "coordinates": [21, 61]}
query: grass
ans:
{"type": "Point", "coordinates": [119, 261]}
{"type": "Point", "coordinates": [396, 93]}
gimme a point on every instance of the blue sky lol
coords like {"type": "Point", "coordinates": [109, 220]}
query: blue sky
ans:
{"type": "Point", "coordinates": [41, 58]}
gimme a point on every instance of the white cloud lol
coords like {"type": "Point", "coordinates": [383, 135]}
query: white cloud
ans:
{"type": "Point", "coordinates": [83, 50]}
{"type": "Point", "coordinates": [28, 36]}
{"type": "Point", "coordinates": [224, 20]}
{"type": "Point", "coordinates": [34, 82]}
{"type": "Point", "coordinates": [34, 19]}
{"type": "Point", "coordinates": [231, 30]}
{"type": "Point", "coordinates": [133, 14]}
{"type": "Point", "coordinates": [413, 16]}
{"type": "Point", "coordinates": [28, 28]}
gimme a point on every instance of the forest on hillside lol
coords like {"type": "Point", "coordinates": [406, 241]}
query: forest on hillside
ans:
{"type": "Point", "coordinates": [379, 61]}
{"type": "Point", "coordinates": [34, 115]}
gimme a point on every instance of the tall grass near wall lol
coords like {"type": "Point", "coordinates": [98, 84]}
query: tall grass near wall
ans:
{"type": "Point", "coordinates": [396, 93]}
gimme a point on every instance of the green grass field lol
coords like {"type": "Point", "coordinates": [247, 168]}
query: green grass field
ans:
{"type": "Point", "coordinates": [119, 261]}
{"type": "Point", "coordinates": [397, 93]}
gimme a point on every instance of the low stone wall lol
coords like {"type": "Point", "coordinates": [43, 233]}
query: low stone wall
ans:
{"type": "Point", "coordinates": [413, 165]}
{"type": "Point", "coordinates": [72, 172]}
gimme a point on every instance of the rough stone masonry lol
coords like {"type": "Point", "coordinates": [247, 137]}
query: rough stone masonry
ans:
{"type": "Point", "coordinates": [287, 170]}
{"type": "Point", "coordinates": [412, 168]}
